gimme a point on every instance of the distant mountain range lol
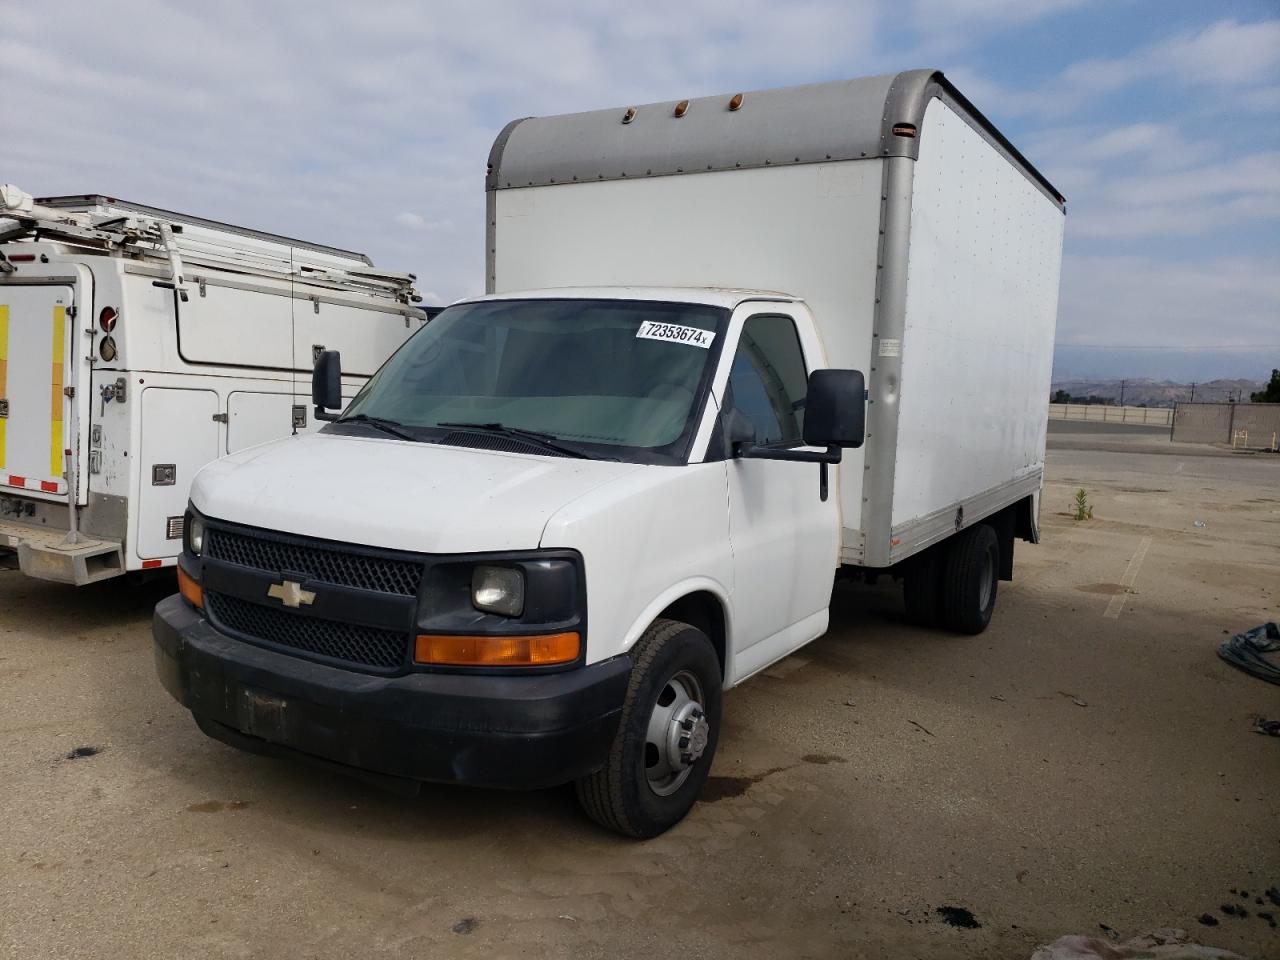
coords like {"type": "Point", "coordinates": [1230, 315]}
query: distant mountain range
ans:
{"type": "Point", "coordinates": [1157, 393]}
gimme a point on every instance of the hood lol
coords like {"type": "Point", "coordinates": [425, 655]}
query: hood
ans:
{"type": "Point", "coordinates": [397, 494]}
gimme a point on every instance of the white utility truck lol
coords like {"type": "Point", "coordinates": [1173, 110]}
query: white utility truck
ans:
{"type": "Point", "coordinates": [564, 517]}
{"type": "Point", "coordinates": [138, 344]}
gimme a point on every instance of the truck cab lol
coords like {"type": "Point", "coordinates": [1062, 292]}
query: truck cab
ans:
{"type": "Point", "coordinates": [565, 517]}
{"type": "Point", "coordinates": [555, 481]}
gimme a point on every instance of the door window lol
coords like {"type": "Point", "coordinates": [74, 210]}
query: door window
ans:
{"type": "Point", "coordinates": [768, 380]}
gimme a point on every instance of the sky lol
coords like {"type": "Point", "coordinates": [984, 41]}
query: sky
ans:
{"type": "Point", "coordinates": [368, 126]}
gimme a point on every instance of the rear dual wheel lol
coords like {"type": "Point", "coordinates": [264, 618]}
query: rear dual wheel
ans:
{"type": "Point", "coordinates": [666, 738]}
{"type": "Point", "coordinates": [953, 584]}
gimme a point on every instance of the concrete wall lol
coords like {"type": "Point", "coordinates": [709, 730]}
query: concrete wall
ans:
{"type": "Point", "coordinates": [1104, 413]}
{"type": "Point", "coordinates": [1257, 425]}
{"type": "Point", "coordinates": [1254, 426]}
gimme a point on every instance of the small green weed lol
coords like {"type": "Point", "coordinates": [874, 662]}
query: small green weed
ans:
{"type": "Point", "coordinates": [1083, 508]}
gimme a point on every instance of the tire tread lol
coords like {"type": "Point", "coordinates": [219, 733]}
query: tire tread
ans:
{"type": "Point", "coordinates": [600, 793]}
{"type": "Point", "coordinates": [960, 573]}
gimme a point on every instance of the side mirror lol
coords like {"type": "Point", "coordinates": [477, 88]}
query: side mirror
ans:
{"type": "Point", "coordinates": [326, 385]}
{"type": "Point", "coordinates": [835, 411]}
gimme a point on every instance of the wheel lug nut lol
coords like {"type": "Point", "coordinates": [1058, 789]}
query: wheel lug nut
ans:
{"type": "Point", "coordinates": [683, 742]}
{"type": "Point", "coordinates": [686, 724]}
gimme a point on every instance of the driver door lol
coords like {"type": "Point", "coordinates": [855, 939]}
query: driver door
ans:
{"type": "Point", "coordinates": [784, 536]}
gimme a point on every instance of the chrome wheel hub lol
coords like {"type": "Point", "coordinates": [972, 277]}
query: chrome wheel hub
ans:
{"type": "Point", "coordinates": [677, 735]}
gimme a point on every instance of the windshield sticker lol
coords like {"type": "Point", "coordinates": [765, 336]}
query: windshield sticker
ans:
{"type": "Point", "coordinates": [693, 336]}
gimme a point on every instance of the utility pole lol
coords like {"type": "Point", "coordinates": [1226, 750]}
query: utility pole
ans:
{"type": "Point", "coordinates": [1122, 383]}
{"type": "Point", "coordinates": [1193, 391]}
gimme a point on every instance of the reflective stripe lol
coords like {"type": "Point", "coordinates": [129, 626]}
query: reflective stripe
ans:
{"type": "Point", "coordinates": [4, 369]}
{"type": "Point", "coordinates": [59, 363]}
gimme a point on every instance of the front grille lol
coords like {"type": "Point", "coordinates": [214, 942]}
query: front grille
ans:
{"type": "Point", "coordinates": [379, 574]}
{"type": "Point", "coordinates": [367, 646]}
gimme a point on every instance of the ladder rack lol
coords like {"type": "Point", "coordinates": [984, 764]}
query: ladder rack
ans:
{"type": "Point", "coordinates": [111, 226]}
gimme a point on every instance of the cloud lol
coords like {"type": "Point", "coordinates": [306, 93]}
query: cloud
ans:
{"type": "Point", "coordinates": [416, 221]}
{"type": "Point", "coordinates": [1151, 181]}
{"type": "Point", "coordinates": [1224, 54]}
{"type": "Point", "coordinates": [1137, 300]}
{"type": "Point", "coordinates": [940, 15]}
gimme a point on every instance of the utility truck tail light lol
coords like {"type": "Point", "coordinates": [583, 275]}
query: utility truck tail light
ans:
{"type": "Point", "coordinates": [107, 319]}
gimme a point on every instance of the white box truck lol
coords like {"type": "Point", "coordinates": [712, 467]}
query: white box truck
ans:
{"type": "Point", "coordinates": [138, 344]}
{"type": "Point", "coordinates": [625, 480]}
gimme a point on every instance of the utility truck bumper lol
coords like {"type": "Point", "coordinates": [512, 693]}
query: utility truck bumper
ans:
{"type": "Point", "coordinates": [520, 732]}
{"type": "Point", "coordinates": [44, 553]}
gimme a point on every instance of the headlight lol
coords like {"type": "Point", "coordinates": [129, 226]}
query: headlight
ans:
{"type": "Point", "coordinates": [195, 534]}
{"type": "Point", "coordinates": [498, 590]}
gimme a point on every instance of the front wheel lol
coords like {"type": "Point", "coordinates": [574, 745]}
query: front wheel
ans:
{"type": "Point", "coordinates": [666, 738]}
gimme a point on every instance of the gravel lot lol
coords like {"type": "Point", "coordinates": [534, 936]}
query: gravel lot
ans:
{"type": "Point", "coordinates": [1086, 761]}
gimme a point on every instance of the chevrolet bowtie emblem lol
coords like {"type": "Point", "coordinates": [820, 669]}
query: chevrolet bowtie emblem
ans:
{"type": "Point", "coordinates": [291, 594]}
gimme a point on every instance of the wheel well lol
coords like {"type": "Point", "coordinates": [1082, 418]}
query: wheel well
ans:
{"type": "Point", "coordinates": [704, 611]}
{"type": "Point", "coordinates": [1026, 524]}
{"type": "Point", "coordinates": [1005, 524]}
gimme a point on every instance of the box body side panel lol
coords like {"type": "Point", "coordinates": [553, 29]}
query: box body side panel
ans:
{"type": "Point", "coordinates": [981, 309]}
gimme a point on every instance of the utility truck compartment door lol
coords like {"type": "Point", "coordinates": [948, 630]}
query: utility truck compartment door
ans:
{"type": "Point", "coordinates": [228, 324]}
{"type": "Point", "coordinates": [179, 436]}
{"type": "Point", "coordinates": [36, 337]}
{"type": "Point", "coordinates": [254, 418]}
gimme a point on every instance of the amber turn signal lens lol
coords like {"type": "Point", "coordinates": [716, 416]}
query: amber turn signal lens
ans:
{"type": "Point", "coordinates": [191, 591]}
{"type": "Point", "coordinates": [497, 651]}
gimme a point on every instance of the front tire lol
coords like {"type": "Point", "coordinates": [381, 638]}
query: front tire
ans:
{"type": "Point", "coordinates": [666, 738]}
{"type": "Point", "coordinates": [969, 579]}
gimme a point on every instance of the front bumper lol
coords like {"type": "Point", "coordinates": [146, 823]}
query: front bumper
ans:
{"type": "Point", "coordinates": [520, 732]}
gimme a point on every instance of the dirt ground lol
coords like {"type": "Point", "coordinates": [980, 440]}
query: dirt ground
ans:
{"type": "Point", "coordinates": [1086, 761]}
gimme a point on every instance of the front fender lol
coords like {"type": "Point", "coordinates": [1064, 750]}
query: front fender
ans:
{"type": "Point", "coordinates": [647, 539]}
{"type": "Point", "coordinates": [673, 593]}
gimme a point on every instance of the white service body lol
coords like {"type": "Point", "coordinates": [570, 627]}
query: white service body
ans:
{"type": "Point", "coordinates": [212, 345]}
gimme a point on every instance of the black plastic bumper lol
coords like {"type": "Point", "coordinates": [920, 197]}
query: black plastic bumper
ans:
{"type": "Point", "coordinates": [519, 732]}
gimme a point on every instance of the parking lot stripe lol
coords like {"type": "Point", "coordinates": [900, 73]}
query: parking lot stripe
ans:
{"type": "Point", "coordinates": [1127, 581]}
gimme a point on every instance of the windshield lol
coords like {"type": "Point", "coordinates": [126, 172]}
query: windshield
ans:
{"type": "Point", "coordinates": [619, 379]}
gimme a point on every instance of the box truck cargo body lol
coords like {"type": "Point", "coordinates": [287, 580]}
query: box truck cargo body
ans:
{"type": "Point", "coordinates": [927, 248]}
{"type": "Point", "coordinates": [136, 345]}
{"type": "Point", "coordinates": [731, 348]}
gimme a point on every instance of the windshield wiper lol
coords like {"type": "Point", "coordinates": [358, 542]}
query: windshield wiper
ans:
{"type": "Point", "coordinates": [386, 426]}
{"type": "Point", "coordinates": [547, 440]}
